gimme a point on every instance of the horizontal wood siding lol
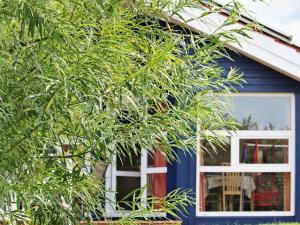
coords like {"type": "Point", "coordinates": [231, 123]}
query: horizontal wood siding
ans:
{"type": "Point", "coordinates": [259, 78]}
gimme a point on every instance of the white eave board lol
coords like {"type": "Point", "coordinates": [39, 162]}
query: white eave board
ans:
{"type": "Point", "coordinates": [262, 48]}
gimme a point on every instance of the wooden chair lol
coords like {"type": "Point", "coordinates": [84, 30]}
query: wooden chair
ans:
{"type": "Point", "coordinates": [232, 186]}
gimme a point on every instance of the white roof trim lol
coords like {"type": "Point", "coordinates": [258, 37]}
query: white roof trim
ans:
{"type": "Point", "coordinates": [267, 28]}
{"type": "Point", "coordinates": [262, 48]}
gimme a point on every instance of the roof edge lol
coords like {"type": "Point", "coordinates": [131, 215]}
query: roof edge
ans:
{"type": "Point", "coordinates": [262, 47]}
{"type": "Point", "coordinates": [265, 28]}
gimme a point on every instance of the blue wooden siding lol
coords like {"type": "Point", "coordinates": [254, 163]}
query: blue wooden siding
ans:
{"type": "Point", "coordinates": [259, 78]}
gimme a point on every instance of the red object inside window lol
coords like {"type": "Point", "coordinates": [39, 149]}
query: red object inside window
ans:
{"type": "Point", "coordinates": [266, 199]}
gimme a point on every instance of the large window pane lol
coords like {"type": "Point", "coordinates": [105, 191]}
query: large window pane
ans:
{"type": "Point", "coordinates": [217, 154]}
{"type": "Point", "coordinates": [264, 151]}
{"type": "Point", "coordinates": [125, 188]}
{"type": "Point", "coordinates": [262, 112]}
{"type": "Point", "coordinates": [245, 192]}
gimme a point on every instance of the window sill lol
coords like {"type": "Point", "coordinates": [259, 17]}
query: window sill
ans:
{"type": "Point", "coordinates": [139, 223]}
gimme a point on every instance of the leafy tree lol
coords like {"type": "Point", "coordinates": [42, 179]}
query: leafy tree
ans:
{"type": "Point", "coordinates": [83, 80]}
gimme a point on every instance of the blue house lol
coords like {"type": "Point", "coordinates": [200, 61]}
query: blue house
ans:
{"type": "Point", "coordinates": [257, 179]}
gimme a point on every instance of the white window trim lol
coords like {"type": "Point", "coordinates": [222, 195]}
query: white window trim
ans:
{"type": "Point", "coordinates": [110, 185]}
{"type": "Point", "coordinates": [235, 166]}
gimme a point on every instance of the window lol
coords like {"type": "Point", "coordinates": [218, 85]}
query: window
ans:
{"type": "Point", "coordinates": [126, 175]}
{"type": "Point", "coordinates": [251, 173]}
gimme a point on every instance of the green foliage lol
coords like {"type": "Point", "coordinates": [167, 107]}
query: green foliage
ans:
{"type": "Point", "coordinates": [98, 76]}
{"type": "Point", "coordinates": [282, 223]}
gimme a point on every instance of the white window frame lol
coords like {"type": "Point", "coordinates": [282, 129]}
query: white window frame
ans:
{"type": "Point", "coordinates": [111, 181]}
{"type": "Point", "coordinates": [236, 166]}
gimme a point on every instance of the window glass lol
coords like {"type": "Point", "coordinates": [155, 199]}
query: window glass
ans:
{"type": "Point", "coordinates": [157, 189]}
{"type": "Point", "coordinates": [129, 163]}
{"type": "Point", "coordinates": [261, 112]}
{"type": "Point", "coordinates": [245, 192]}
{"type": "Point", "coordinates": [125, 187]}
{"type": "Point", "coordinates": [217, 154]}
{"type": "Point", "coordinates": [264, 151]}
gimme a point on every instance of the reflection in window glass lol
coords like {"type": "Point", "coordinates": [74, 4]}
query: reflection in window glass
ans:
{"type": "Point", "coordinates": [259, 192]}
{"type": "Point", "coordinates": [157, 188]}
{"type": "Point", "coordinates": [215, 154]}
{"type": "Point", "coordinates": [264, 151]}
{"type": "Point", "coordinates": [261, 112]}
{"type": "Point", "coordinates": [125, 186]}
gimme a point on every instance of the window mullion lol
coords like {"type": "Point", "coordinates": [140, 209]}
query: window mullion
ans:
{"type": "Point", "coordinates": [264, 133]}
{"type": "Point", "coordinates": [291, 151]}
{"type": "Point", "coordinates": [234, 153]}
{"type": "Point", "coordinates": [144, 161]}
{"type": "Point", "coordinates": [110, 185]}
{"type": "Point", "coordinates": [156, 170]}
{"type": "Point", "coordinates": [247, 168]}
